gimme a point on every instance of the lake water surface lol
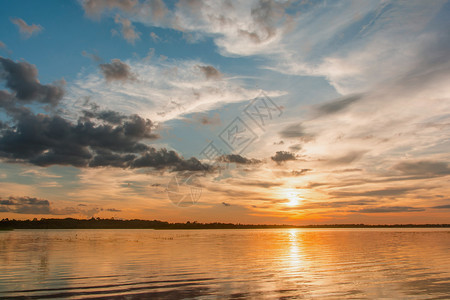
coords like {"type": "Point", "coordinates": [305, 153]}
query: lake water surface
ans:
{"type": "Point", "coordinates": [225, 264]}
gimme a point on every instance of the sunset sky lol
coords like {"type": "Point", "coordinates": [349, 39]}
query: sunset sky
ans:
{"type": "Point", "coordinates": [323, 111]}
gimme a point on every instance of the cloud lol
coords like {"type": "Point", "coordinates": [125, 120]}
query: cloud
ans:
{"type": "Point", "coordinates": [256, 183]}
{"type": "Point", "coordinates": [96, 7]}
{"type": "Point", "coordinates": [377, 193]}
{"type": "Point", "coordinates": [338, 105]}
{"type": "Point", "coordinates": [210, 72]}
{"type": "Point", "coordinates": [442, 206]}
{"type": "Point", "coordinates": [427, 168]}
{"type": "Point", "coordinates": [116, 70]}
{"type": "Point", "coordinates": [99, 138]}
{"type": "Point", "coordinates": [26, 30]}
{"type": "Point", "coordinates": [47, 140]}
{"type": "Point", "coordinates": [38, 174]}
{"type": "Point", "coordinates": [25, 205]}
{"type": "Point", "coordinates": [252, 24]}
{"type": "Point", "coordinates": [21, 78]}
{"type": "Point", "coordinates": [238, 159]}
{"type": "Point", "coordinates": [52, 139]}
{"type": "Point", "coordinates": [331, 204]}
{"type": "Point", "coordinates": [389, 209]}
{"type": "Point", "coordinates": [155, 37]}
{"type": "Point", "coordinates": [295, 148]}
{"type": "Point", "coordinates": [158, 9]}
{"type": "Point", "coordinates": [359, 51]}
{"type": "Point", "coordinates": [113, 210]}
{"type": "Point", "coordinates": [106, 158]}
{"type": "Point", "coordinates": [162, 91]}
{"type": "Point", "coordinates": [205, 119]}
{"type": "Point", "coordinates": [110, 116]}
{"type": "Point", "coordinates": [300, 172]}
{"type": "Point", "coordinates": [347, 158]}
{"type": "Point", "coordinates": [163, 158]}
{"type": "Point", "coordinates": [152, 10]}
{"type": "Point", "coordinates": [295, 131]}
{"type": "Point", "coordinates": [2, 45]}
{"type": "Point", "coordinates": [128, 31]}
{"type": "Point", "coordinates": [35, 206]}
{"type": "Point", "coordinates": [282, 156]}
{"type": "Point", "coordinates": [92, 56]}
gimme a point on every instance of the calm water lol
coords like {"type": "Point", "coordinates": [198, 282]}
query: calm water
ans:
{"type": "Point", "coordinates": [230, 264]}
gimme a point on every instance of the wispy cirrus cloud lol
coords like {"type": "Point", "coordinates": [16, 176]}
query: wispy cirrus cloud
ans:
{"type": "Point", "coordinates": [162, 90]}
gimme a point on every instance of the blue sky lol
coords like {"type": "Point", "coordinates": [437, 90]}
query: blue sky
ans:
{"type": "Point", "coordinates": [104, 102]}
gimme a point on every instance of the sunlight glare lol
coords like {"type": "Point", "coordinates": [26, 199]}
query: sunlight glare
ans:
{"type": "Point", "coordinates": [293, 198]}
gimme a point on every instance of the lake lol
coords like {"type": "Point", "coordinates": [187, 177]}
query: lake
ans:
{"type": "Point", "coordinates": [228, 264]}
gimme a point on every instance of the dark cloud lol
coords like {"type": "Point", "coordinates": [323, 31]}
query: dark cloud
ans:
{"type": "Point", "coordinates": [96, 7]}
{"type": "Point", "coordinates": [210, 72]}
{"type": "Point", "coordinates": [113, 210]}
{"type": "Point", "coordinates": [347, 158]}
{"type": "Point", "coordinates": [204, 119]}
{"type": "Point", "coordinates": [163, 158]}
{"type": "Point", "coordinates": [238, 159]}
{"type": "Point", "coordinates": [35, 206]}
{"type": "Point", "coordinates": [47, 140]}
{"type": "Point", "coordinates": [102, 138]}
{"type": "Point", "coordinates": [388, 209]}
{"type": "Point", "coordinates": [116, 70]}
{"type": "Point", "coordinates": [25, 205]}
{"type": "Point", "coordinates": [105, 158]}
{"type": "Point", "coordinates": [295, 148]}
{"type": "Point", "coordinates": [347, 170]}
{"type": "Point", "coordinates": [109, 116]}
{"type": "Point", "coordinates": [296, 131]}
{"type": "Point", "coordinates": [376, 193]}
{"type": "Point", "coordinates": [26, 30]}
{"type": "Point", "coordinates": [282, 156]}
{"type": "Point", "coordinates": [338, 105]}
{"type": "Point", "coordinates": [257, 183]}
{"type": "Point", "coordinates": [442, 206]}
{"type": "Point", "coordinates": [191, 164]}
{"type": "Point", "coordinates": [21, 78]}
{"type": "Point", "coordinates": [426, 168]}
{"type": "Point", "coordinates": [300, 172]}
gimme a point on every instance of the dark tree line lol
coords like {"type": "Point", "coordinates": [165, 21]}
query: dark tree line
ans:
{"type": "Point", "coordinates": [97, 223]}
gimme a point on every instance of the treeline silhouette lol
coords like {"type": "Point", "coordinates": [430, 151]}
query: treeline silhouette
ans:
{"type": "Point", "coordinates": [97, 223]}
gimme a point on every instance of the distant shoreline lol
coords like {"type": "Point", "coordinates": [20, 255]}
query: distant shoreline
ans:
{"type": "Point", "coordinates": [70, 223]}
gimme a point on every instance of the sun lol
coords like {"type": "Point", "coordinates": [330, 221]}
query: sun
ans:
{"type": "Point", "coordinates": [293, 198]}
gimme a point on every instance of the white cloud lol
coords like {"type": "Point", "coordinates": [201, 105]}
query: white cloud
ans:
{"type": "Point", "coordinates": [356, 46]}
{"type": "Point", "coordinates": [162, 90]}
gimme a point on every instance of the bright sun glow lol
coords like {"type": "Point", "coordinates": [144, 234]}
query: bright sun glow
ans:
{"type": "Point", "coordinates": [293, 198]}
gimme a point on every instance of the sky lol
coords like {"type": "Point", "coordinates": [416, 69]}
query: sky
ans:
{"type": "Point", "coordinates": [261, 111]}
